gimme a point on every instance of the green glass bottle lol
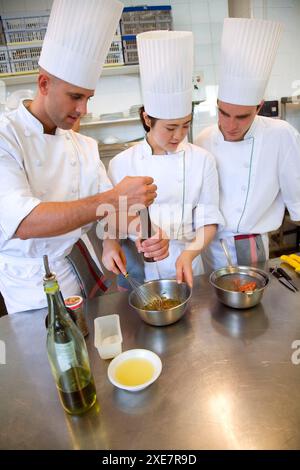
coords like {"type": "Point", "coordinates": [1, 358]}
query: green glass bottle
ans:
{"type": "Point", "coordinates": [67, 352]}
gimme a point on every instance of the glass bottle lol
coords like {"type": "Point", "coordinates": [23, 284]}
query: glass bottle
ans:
{"type": "Point", "coordinates": [67, 352]}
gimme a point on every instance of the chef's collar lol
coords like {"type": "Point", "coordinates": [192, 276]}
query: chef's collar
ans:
{"type": "Point", "coordinates": [249, 134]}
{"type": "Point", "coordinates": [30, 122]}
{"type": "Point", "coordinates": [147, 150]}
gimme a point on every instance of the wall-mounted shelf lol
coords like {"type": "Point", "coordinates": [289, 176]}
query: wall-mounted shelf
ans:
{"type": "Point", "coordinates": [31, 77]}
{"type": "Point", "coordinates": [109, 122]}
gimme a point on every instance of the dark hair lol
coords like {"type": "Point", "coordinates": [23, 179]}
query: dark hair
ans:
{"type": "Point", "coordinates": [152, 119]}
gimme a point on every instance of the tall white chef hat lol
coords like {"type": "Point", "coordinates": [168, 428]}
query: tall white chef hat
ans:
{"type": "Point", "coordinates": [248, 51]}
{"type": "Point", "coordinates": [166, 67]}
{"type": "Point", "coordinates": [78, 38]}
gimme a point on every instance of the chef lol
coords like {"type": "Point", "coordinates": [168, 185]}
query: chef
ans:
{"type": "Point", "coordinates": [187, 201]}
{"type": "Point", "coordinates": [51, 180]}
{"type": "Point", "coordinates": [258, 158]}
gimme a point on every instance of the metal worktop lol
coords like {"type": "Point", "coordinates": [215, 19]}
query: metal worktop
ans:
{"type": "Point", "coordinates": [227, 381]}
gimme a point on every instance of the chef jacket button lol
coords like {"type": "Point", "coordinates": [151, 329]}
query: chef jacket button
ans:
{"type": "Point", "coordinates": [246, 165]}
{"type": "Point", "coordinates": [243, 188]}
{"type": "Point", "coordinates": [26, 133]}
{"type": "Point", "coordinates": [67, 137]}
{"type": "Point", "coordinates": [38, 163]}
{"type": "Point", "coordinates": [73, 162]}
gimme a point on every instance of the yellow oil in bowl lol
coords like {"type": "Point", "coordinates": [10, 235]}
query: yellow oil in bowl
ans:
{"type": "Point", "coordinates": [135, 371]}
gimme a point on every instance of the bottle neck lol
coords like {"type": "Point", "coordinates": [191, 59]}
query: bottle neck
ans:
{"type": "Point", "coordinates": [56, 307]}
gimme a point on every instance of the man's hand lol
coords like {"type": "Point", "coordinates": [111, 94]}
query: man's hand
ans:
{"type": "Point", "coordinates": [184, 270]}
{"type": "Point", "coordinates": [156, 247]}
{"type": "Point", "coordinates": [138, 189]}
{"type": "Point", "coordinates": [113, 257]}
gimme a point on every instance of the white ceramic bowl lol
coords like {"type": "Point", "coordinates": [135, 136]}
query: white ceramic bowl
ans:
{"type": "Point", "coordinates": [134, 354]}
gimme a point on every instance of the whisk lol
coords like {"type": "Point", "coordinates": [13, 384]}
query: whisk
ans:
{"type": "Point", "coordinates": [145, 297]}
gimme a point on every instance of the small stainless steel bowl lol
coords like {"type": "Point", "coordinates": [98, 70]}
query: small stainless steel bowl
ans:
{"type": "Point", "coordinates": [221, 278]}
{"type": "Point", "coordinates": [169, 289]}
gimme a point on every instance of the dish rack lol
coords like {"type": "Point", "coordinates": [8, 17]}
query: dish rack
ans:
{"type": "Point", "coordinates": [115, 53]}
{"type": "Point", "coordinates": [137, 20]}
{"type": "Point", "coordinates": [21, 39]}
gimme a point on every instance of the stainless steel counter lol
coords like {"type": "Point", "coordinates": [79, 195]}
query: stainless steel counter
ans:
{"type": "Point", "coordinates": [227, 381]}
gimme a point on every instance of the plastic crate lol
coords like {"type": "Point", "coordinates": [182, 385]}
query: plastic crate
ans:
{"type": "Point", "coordinates": [136, 20]}
{"type": "Point", "coordinates": [130, 50]}
{"type": "Point", "coordinates": [22, 66]}
{"type": "Point", "coordinates": [24, 52]}
{"type": "Point", "coordinates": [3, 54]}
{"type": "Point", "coordinates": [115, 53]}
{"type": "Point", "coordinates": [25, 21]}
{"type": "Point", "coordinates": [24, 36]}
{"type": "Point", "coordinates": [5, 67]}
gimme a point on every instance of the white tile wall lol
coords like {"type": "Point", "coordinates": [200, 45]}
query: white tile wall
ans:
{"type": "Point", "coordinates": [203, 17]}
{"type": "Point", "coordinates": [286, 71]}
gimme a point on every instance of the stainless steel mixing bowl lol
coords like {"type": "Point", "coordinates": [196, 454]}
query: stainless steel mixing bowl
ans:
{"type": "Point", "coordinates": [221, 279]}
{"type": "Point", "coordinates": [167, 288]}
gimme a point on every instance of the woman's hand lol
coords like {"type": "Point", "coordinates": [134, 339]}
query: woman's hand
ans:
{"type": "Point", "coordinates": [184, 270]}
{"type": "Point", "coordinates": [156, 247]}
{"type": "Point", "coordinates": [113, 257]}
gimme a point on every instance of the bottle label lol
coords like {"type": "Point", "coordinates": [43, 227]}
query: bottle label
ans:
{"type": "Point", "coordinates": [66, 355]}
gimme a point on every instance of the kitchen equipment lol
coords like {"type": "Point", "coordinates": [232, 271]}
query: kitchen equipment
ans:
{"type": "Point", "coordinates": [168, 288]}
{"type": "Point", "coordinates": [146, 230]}
{"type": "Point", "coordinates": [225, 279]}
{"type": "Point", "coordinates": [142, 293]}
{"type": "Point", "coordinates": [292, 260]}
{"type": "Point", "coordinates": [226, 251]}
{"type": "Point", "coordinates": [108, 336]}
{"type": "Point", "coordinates": [134, 370]}
{"type": "Point", "coordinates": [284, 278]}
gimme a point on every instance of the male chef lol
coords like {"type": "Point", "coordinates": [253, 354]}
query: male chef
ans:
{"type": "Point", "coordinates": [258, 158]}
{"type": "Point", "coordinates": [51, 179]}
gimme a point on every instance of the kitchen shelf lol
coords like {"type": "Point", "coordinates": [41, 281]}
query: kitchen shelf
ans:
{"type": "Point", "coordinates": [109, 121]}
{"type": "Point", "coordinates": [30, 77]}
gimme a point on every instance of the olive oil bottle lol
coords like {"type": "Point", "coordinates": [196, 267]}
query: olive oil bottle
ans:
{"type": "Point", "coordinates": [67, 352]}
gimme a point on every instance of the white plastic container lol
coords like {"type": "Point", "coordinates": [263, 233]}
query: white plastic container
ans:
{"type": "Point", "coordinates": [108, 336]}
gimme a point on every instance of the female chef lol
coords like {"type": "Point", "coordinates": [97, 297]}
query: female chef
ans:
{"type": "Point", "coordinates": [187, 201]}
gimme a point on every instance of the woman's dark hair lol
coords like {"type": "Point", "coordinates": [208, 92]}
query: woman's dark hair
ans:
{"type": "Point", "coordinates": [152, 119]}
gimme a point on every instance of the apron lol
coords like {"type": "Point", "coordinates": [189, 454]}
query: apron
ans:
{"type": "Point", "coordinates": [23, 277]}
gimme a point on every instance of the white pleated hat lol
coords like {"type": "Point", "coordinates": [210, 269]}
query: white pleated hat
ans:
{"type": "Point", "coordinates": [248, 51]}
{"type": "Point", "coordinates": [78, 38]}
{"type": "Point", "coordinates": [166, 68]}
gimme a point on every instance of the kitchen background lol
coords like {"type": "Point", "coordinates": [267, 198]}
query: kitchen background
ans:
{"type": "Point", "coordinates": [112, 117]}
{"type": "Point", "coordinates": [116, 93]}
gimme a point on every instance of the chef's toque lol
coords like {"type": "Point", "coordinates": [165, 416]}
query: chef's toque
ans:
{"type": "Point", "coordinates": [78, 38]}
{"type": "Point", "coordinates": [248, 50]}
{"type": "Point", "coordinates": [166, 67]}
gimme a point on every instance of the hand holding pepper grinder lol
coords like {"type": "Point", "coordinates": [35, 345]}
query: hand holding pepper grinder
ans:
{"type": "Point", "coordinates": [146, 230]}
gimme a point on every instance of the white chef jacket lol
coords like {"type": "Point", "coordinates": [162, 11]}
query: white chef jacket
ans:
{"type": "Point", "coordinates": [187, 196]}
{"type": "Point", "coordinates": [38, 167]}
{"type": "Point", "coordinates": [258, 177]}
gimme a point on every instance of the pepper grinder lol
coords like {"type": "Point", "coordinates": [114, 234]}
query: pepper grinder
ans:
{"type": "Point", "coordinates": [146, 230]}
